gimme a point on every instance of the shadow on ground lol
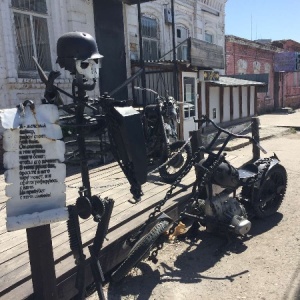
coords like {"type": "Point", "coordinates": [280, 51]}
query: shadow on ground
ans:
{"type": "Point", "coordinates": [203, 251]}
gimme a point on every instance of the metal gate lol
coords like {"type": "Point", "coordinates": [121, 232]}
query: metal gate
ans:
{"type": "Point", "coordinates": [160, 81]}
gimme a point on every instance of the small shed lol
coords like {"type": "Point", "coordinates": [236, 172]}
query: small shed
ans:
{"type": "Point", "coordinates": [226, 100]}
{"type": "Point", "coordinates": [230, 99]}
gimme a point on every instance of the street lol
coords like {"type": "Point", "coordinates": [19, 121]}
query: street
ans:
{"type": "Point", "coordinates": [263, 265]}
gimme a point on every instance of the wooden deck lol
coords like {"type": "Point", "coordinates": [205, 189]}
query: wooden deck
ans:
{"type": "Point", "coordinates": [107, 181]}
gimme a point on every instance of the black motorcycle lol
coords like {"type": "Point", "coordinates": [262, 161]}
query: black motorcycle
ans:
{"type": "Point", "coordinates": [224, 198]}
{"type": "Point", "coordinates": [164, 151]}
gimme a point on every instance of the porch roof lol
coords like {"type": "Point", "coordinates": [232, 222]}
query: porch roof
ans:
{"type": "Point", "coordinates": [230, 81]}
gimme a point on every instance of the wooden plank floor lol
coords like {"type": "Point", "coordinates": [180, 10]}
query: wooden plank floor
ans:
{"type": "Point", "coordinates": [107, 181]}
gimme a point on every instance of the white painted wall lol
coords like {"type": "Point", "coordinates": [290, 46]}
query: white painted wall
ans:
{"type": "Point", "coordinates": [244, 101]}
{"type": "Point", "coordinates": [252, 95]}
{"type": "Point", "coordinates": [236, 105]}
{"type": "Point", "coordinates": [226, 105]}
{"type": "Point", "coordinates": [214, 95]}
{"type": "Point", "coordinates": [63, 16]}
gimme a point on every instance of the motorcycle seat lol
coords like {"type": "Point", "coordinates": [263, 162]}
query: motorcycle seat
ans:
{"type": "Point", "coordinates": [247, 172]}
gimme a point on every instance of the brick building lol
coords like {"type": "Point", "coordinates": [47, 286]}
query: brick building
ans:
{"type": "Point", "coordinates": [289, 81]}
{"type": "Point", "coordinates": [254, 60]}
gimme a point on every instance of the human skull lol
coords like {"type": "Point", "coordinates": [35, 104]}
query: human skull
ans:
{"type": "Point", "coordinates": [89, 68]}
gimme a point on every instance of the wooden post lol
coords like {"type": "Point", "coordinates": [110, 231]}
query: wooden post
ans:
{"type": "Point", "coordinates": [248, 100]}
{"type": "Point", "coordinates": [221, 101]}
{"type": "Point", "coordinates": [42, 262]}
{"type": "Point", "coordinates": [196, 141]}
{"type": "Point", "coordinates": [255, 135]}
{"type": "Point", "coordinates": [207, 96]}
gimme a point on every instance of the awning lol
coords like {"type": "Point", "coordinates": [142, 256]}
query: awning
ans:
{"type": "Point", "coordinates": [230, 81]}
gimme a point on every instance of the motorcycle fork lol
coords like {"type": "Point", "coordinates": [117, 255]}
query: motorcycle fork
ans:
{"type": "Point", "coordinates": [164, 138]}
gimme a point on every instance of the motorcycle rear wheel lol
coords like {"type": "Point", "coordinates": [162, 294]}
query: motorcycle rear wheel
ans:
{"type": "Point", "coordinates": [140, 250]}
{"type": "Point", "coordinates": [266, 200]}
{"type": "Point", "coordinates": [178, 163]}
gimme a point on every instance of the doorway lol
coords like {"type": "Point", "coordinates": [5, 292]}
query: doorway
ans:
{"type": "Point", "coordinates": [190, 97]}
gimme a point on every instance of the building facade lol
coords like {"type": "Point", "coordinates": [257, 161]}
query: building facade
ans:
{"type": "Point", "coordinates": [31, 28]}
{"type": "Point", "coordinates": [127, 34]}
{"type": "Point", "coordinates": [255, 60]}
{"type": "Point", "coordinates": [289, 80]}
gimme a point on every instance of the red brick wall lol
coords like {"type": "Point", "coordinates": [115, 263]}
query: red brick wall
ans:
{"type": "Point", "coordinates": [292, 89]}
{"type": "Point", "coordinates": [235, 52]}
{"type": "Point", "coordinates": [238, 49]}
{"type": "Point", "coordinates": [259, 56]}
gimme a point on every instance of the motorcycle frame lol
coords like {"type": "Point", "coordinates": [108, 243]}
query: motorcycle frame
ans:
{"type": "Point", "coordinates": [212, 189]}
{"type": "Point", "coordinates": [160, 134]}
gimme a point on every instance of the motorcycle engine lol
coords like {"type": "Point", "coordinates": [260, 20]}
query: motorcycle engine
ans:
{"type": "Point", "coordinates": [230, 211]}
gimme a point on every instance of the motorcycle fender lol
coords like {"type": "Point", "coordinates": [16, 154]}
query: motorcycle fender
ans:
{"type": "Point", "coordinates": [164, 216]}
{"type": "Point", "coordinates": [274, 162]}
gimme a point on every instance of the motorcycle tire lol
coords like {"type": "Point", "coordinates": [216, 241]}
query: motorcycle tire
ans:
{"type": "Point", "coordinates": [170, 172]}
{"type": "Point", "coordinates": [140, 250]}
{"type": "Point", "coordinates": [266, 200]}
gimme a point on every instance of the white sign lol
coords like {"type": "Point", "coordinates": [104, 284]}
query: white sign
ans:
{"type": "Point", "coordinates": [35, 174]}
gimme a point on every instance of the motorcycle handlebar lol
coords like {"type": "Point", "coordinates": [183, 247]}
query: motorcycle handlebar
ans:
{"type": "Point", "coordinates": [145, 89]}
{"type": "Point", "coordinates": [205, 119]}
{"type": "Point", "coordinates": [159, 97]}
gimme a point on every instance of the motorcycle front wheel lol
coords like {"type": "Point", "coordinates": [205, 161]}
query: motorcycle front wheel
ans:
{"type": "Point", "coordinates": [178, 162]}
{"type": "Point", "coordinates": [140, 250]}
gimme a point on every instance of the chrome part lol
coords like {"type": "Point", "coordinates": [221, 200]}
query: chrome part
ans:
{"type": "Point", "coordinates": [228, 210]}
{"type": "Point", "coordinates": [241, 225]}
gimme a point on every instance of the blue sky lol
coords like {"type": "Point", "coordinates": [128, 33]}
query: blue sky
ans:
{"type": "Point", "coordinates": [263, 19]}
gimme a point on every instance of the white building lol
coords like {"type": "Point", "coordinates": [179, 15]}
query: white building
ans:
{"type": "Point", "coordinates": [32, 28]}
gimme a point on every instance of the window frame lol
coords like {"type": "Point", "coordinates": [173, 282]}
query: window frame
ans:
{"type": "Point", "coordinates": [182, 51]}
{"type": "Point", "coordinates": [150, 40]}
{"type": "Point", "coordinates": [206, 34]}
{"type": "Point", "coordinates": [31, 14]}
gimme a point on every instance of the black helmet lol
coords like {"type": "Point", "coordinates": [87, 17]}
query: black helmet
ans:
{"type": "Point", "coordinates": [73, 46]}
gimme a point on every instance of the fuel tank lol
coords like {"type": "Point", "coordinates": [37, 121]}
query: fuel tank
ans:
{"type": "Point", "coordinates": [225, 175]}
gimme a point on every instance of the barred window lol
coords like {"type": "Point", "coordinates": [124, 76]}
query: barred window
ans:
{"type": "Point", "coordinates": [32, 38]}
{"type": "Point", "coordinates": [38, 6]}
{"type": "Point", "coordinates": [150, 38]}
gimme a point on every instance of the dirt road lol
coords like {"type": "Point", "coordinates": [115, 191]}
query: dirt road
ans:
{"type": "Point", "coordinates": [263, 265]}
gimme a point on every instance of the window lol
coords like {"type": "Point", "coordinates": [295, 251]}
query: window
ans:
{"type": "Point", "coordinates": [181, 35]}
{"type": "Point", "coordinates": [189, 97]}
{"type": "Point", "coordinates": [32, 37]}
{"type": "Point", "coordinates": [150, 38]}
{"type": "Point", "coordinates": [208, 37]}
